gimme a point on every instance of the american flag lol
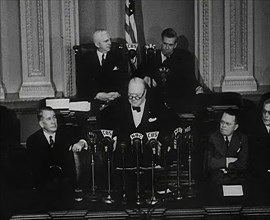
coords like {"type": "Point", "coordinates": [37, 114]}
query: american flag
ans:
{"type": "Point", "coordinates": [130, 25]}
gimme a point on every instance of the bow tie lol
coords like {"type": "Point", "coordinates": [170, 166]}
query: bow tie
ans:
{"type": "Point", "coordinates": [138, 109]}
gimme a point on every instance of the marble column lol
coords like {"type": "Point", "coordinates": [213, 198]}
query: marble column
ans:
{"type": "Point", "coordinates": [70, 30]}
{"type": "Point", "coordinates": [203, 41]}
{"type": "Point", "coordinates": [36, 70]}
{"type": "Point", "coordinates": [239, 63]}
{"type": "Point", "coordinates": [2, 91]}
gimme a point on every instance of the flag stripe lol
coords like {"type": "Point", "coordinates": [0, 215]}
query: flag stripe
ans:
{"type": "Point", "coordinates": [130, 25]}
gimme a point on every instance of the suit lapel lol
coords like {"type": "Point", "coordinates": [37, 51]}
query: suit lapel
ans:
{"type": "Point", "coordinates": [158, 58]}
{"type": "Point", "coordinates": [44, 141]}
{"type": "Point", "coordinates": [130, 117]}
{"type": "Point", "coordinates": [234, 143]}
{"type": "Point", "coordinates": [223, 145]}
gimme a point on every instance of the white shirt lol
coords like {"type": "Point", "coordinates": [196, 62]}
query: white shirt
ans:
{"type": "Point", "coordinates": [137, 116]}
{"type": "Point", "coordinates": [100, 57]}
{"type": "Point", "coordinates": [163, 57]}
{"type": "Point", "coordinates": [229, 138]}
{"type": "Point", "coordinates": [48, 136]}
{"type": "Point", "coordinates": [268, 128]}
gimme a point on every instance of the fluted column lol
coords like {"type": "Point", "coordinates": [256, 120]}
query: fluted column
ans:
{"type": "Point", "coordinates": [203, 40]}
{"type": "Point", "coordinates": [36, 71]}
{"type": "Point", "coordinates": [70, 30]}
{"type": "Point", "coordinates": [239, 46]}
{"type": "Point", "coordinates": [2, 91]}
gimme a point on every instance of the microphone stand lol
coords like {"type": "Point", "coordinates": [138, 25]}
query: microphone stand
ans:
{"type": "Point", "coordinates": [138, 197]}
{"type": "Point", "coordinates": [124, 197]}
{"type": "Point", "coordinates": [93, 146]}
{"type": "Point", "coordinates": [190, 193]}
{"type": "Point", "coordinates": [166, 174]}
{"type": "Point", "coordinates": [178, 195]}
{"type": "Point", "coordinates": [108, 199]}
{"type": "Point", "coordinates": [150, 53]}
{"type": "Point", "coordinates": [153, 200]}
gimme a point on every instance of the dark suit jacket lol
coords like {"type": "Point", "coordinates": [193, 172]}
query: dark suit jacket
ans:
{"type": "Point", "coordinates": [155, 118]}
{"type": "Point", "coordinates": [179, 88]}
{"type": "Point", "coordinates": [41, 156]}
{"type": "Point", "coordinates": [218, 151]}
{"type": "Point", "coordinates": [93, 78]}
{"type": "Point", "coordinates": [260, 149]}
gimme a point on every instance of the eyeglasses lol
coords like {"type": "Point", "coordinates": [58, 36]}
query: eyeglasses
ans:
{"type": "Point", "coordinates": [265, 111]}
{"type": "Point", "coordinates": [135, 97]}
{"type": "Point", "coordinates": [226, 123]}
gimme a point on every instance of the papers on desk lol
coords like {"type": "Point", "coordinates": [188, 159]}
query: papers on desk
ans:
{"type": "Point", "coordinates": [83, 106]}
{"type": "Point", "coordinates": [164, 191]}
{"type": "Point", "coordinates": [221, 107]}
{"type": "Point", "coordinates": [58, 103]}
{"type": "Point", "coordinates": [232, 190]}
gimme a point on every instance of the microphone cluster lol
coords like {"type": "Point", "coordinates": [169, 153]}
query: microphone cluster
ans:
{"type": "Point", "coordinates": [138, 141]}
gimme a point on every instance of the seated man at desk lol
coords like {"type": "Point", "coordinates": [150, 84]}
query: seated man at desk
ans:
{"type": "Point", "coordinates": [50, 153]}
{"type": "Point", "coordinates": [172, 73]}
{"type": "Point", "coordinates": [228, 151]}
{"type": "Point", "coordinates": [102, 75]}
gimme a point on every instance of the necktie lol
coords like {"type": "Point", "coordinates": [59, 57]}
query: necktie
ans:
{"type": "Point", "coordinates": [51, 141]}
{"type": "Point", "coordinates": [227, 141]}
{"type": "Point", "coordinates": [138, 109]}
{"type": "Point", "coordinates": [103, 59]}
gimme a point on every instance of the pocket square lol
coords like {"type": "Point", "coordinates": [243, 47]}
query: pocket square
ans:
{"type": "Point", "coordinates": [115, 68]}
{"type": "Point", "coordinates": [152, 119]}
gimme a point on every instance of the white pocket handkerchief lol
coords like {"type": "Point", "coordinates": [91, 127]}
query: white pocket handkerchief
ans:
{"type": "Point", "coordinates": [115, 68]}
{"type": "Point", "coordinates": [152, 119]}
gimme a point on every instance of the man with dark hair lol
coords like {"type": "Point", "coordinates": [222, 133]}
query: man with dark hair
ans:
{"type": "Point", "coordinates": [50, 152]}
{"type": "Point", "coordinates": [228, 151]}
{"type": "Point", "coordinates": [171, 72]}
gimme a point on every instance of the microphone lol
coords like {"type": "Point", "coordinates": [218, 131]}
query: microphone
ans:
{"type": "Point", "coordinates": [132, 48]}
{"type": "Point", "coordinates": [153, 142]}
{"type": "Point", "coordinates": [150, 49]}
{"type": "Point", "coordinates": [163, 73]}
{"type": "Point", "coordinates": [92, 140]}
{"type": "Point", "coordinates": [123, 147]}
{"type": "Point", "coordinates": [107, 139]}
{"type": "Point", "coordinates": [136, 141]}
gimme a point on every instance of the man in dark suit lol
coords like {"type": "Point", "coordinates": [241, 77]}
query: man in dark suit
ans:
{"type": "Point", "coordinates": [102, 72]}
{"type": "Point", "coordinates": [260, 142]}
{"type": "Point", "coordinates": [50, 153]}
{"type": "Point", "coordinates": [140, 114]}
{"type": "Point", "coordinates": [171, 72]}
{"type": "Point", "coordinates": [228, 151]}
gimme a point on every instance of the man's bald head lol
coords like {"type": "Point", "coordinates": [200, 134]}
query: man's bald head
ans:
{"type": "Point", "coordinates": [136, 91]}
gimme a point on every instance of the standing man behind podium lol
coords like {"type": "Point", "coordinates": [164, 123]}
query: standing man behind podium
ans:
{"type": "Point", "coordinates": [140, 113]}
{"type": "Point", "coordinates": [50, 153]}
{"type": "Point", "coordinates": [228, 151]}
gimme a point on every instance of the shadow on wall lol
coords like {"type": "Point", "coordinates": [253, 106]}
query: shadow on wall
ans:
{"type": "Point", "coordinates": [9, 127]}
